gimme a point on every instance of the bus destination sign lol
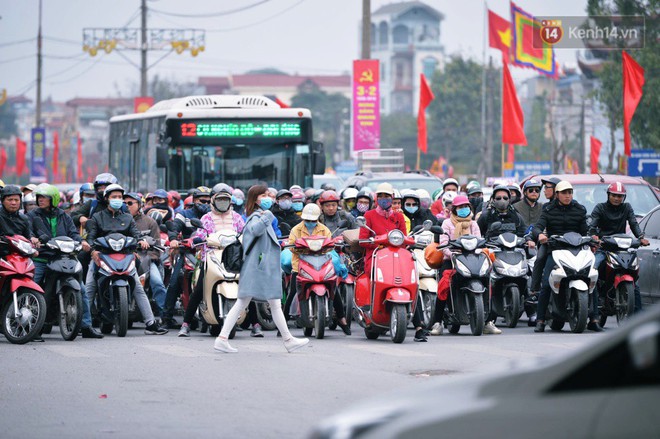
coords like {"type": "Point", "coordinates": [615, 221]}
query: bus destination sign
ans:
{"type": "Point", "coordinates": [242, 130]}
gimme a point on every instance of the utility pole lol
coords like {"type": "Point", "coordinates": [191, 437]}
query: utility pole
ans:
{"type": "Point", "coordinates": [143, 50]}
{"type": "Point", "coordinates": [366, 29]}
{"type": "Point", "coordinates": [37, 122]}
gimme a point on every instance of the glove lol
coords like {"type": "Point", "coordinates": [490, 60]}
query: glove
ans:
{"type": "Point", "coordinates": [197, 240]}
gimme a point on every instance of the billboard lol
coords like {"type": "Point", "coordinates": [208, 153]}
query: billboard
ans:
{"type": "Point", "coordinates": [366, 104]}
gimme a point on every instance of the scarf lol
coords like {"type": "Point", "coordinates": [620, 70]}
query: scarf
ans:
{"type": "Point", "coordinates": [462, 225]}
{"type": "Point", "coordinates": [382, 212]}
{"type": "Point", "coordinates": [223, 221]}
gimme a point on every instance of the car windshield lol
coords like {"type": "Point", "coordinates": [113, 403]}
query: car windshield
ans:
{"type": "Point", "coordinates": [430, 185]}
{"type": "Point", "coordinates": [640, 196]}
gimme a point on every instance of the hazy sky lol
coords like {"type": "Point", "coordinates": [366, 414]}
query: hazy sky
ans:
{"type": "Point", "coordinates": [298, 36]}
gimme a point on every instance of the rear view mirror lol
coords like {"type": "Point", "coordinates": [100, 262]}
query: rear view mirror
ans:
{"type": "Point", "coordinates": [437, 230]}
{"type": "Point", "coordinates": [162, 157]}
{"type": "Point", "coordinates": [643, 345]}
{"type": "Point", "coordinates": [427, 224]}
{"type": "Point", "coordinates": [361, 221]}
{"type": "Point", "coordinates": [318, 157]}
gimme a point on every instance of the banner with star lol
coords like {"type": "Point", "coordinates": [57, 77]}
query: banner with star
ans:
{"type": "Point", "coordinates": [524, 54]}
{"type": "Point", "coordinates": [499, 34]}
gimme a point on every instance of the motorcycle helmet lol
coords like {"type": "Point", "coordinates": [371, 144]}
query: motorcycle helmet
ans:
{"type": "Point", "coordinates": [174, 199]}
{"type": "Point", "coordinates": [160, 193]}
{"type": "Point", "coordinates": [113, 188]}
{"type": "Point", "coordinates": [11, 189]}
{"type": "Point", "coordinates": [137, 197]}
{"type": "Point", "coordinates": [104, 180]}
{"type": "Point", "coordinates": [532, 182]}
{"type": "Point", "coordinates": [473, 188]}
{"type": "Point", "coordinates": [349, 192]}
{"type": "Point", "coordinates": [450, 181]}
{"type": "Point", "coordinates": [501, 187]}
{"type": "Point", "coordinates": [222, 187]}
{"type": "Point", "coordinates": [155, 215]}
{"type": "Point", "coordinates": [616, 188]}
{"type": "Point", "coordinates": [448, 198]}
{"type": "Point", "coordinates": [328, 196]}
{"type": "Point", "coordinates": [283, 192]}
{"type": "Point", "coordinates": [188, 202]}
{"type": "Point", "coordinates": [424, 198]}
{"type": "Point", "coordinates": [200, 191]}
{"type": "Point", "coordinates": [409, 193]}
{"type": "Point", "coordinates": [436, 194]}
{"type": "Point", "coordinates": [311, 212]}
{"type": "Point", "coordinates": [50, 191]}
{"type": "Point", "coordinates": [397, 195]}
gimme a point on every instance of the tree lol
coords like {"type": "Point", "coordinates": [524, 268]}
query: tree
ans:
{"type": "Point", "coordinates": [7, 121]}
{"type": "Point", "coordinates": [644, 128]}
{"type": "Point", "coordinates": [399, 130]}
{"type": "Point", "coordinates": [330, 115]}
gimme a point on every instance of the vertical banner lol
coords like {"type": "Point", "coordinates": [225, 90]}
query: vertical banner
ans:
{"type": "Point", "coordinates": [142, 104]}
{"type": "Point", "coordinates": [366, 104]}
{"type": "Point", "coordinates": [38, 164]}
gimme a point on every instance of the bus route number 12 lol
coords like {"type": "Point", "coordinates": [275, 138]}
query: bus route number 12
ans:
{"type": "Point", "coordinates": [188, 129]}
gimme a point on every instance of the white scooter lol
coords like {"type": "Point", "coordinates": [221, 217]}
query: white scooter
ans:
{"type": "Point", "coordinates": [572, 280]}
{"type": "Point", "coordinates": [428, 278]}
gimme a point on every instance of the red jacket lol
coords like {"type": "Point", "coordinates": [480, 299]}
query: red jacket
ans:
{"type": "Point", "coordinates": [381, 226]}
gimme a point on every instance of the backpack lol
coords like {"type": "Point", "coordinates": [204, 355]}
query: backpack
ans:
{"type": "Point", "coordinates": [233, 255]}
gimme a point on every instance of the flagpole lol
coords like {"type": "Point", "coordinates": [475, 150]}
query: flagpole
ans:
{"type": "Point", "coordinates": [419, 153]}
{"type": "Point", "coordinates": [483, 95]}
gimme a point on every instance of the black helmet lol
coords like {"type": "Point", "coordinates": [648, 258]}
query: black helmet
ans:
{"type": "Point", "coordinates": [200, 191]}
{"type": "Point", "coordinates": [501, 187]}
{"type": "Point", "coordinates": [104, 179]}
{"type": "Point", "coordinates": [156, 216]}
{"type": "Point", "coordinates": [365, 193]}
{"type": "Point", "coordinates": [11, 189]}
{"type": "Point", "coordinates": [552, 180]}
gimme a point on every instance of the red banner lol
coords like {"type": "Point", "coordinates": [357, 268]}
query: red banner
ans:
{"type": "Point", "coordinates": [499, 33]}
{"type": "Point", "coordinates": [513, 120]}
{"type": "Point", "coordinates": [633, 81]}
{"type": "Point", "coordinates": [595, 154]}
{"type": "Point", "coordinates": [425, 98]}
{"type": "Point", "coordinates": [21, 149]}
{"type": "Point", "coordinates": [366, 104]}
{"type": "Point", "coordinates": [142, 104]}
{"type": "Point", "coordinates": [3, 160]}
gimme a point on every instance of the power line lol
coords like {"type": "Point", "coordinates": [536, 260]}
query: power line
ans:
{"type": "Point", "coordinates": [14, 43]}
{"type": "Point", "coordinates": [4, 61]}
{"type": "Point", "coordinates": [62, 40]}
{"type": "Point", "coordinates": [213, 14]}
{"type": "Point", "coordinates": [282, 12]}
{"type": "Point", "coordinates": [76, 76]}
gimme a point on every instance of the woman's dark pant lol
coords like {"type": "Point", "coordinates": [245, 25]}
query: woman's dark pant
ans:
{"type": "Point", "coordinates": [195, 299]}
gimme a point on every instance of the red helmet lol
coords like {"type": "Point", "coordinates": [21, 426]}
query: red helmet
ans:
{"type": "Point", "coordinates": [188, 202]}
{"type": "Point", "coordinates": [174, 198]}
{"type": "Point", "coordinates": [616, 188]}
{"type": "Point", "coordinates": [328, 196]}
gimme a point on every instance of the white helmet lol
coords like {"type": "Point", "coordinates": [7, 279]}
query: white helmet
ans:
{"type": "Point", "coordinates": [397, 194]}
{"type": "Point", "coordinates": [385, 188]}
{"type": "Point", "coordinates": [311, 212]}
{"type": "Point", "coordinates": [112, 188]}
{"type": "Point", "coordinates": [423, 194]}
{"type": "Point", "coordinates": [448, 197]}
{"type": "Point", "coordinates": [349, 192]}
{"type": "Point", "coordinates": [450, 181]}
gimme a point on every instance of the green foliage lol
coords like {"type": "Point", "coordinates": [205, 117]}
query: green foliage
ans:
{"type": "Point", "coordinates": [399, 130]}
{"type": "Point", "coordinates": [162, 89]}
{"type": "Point", "coordinates": [538, 147]}
{"type": "Point", "coordinates": [330, 113]}
{"type": "Point", "coordinates": [7, 121]}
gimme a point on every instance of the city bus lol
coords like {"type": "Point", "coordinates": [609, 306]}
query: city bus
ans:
{"type": "Point", "coordinates": [179, 144]}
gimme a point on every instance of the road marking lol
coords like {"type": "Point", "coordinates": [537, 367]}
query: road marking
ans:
{"type": "Point", "coordinates": [179, 351]}
{"type": "Point", "coordinates": [73, 351]}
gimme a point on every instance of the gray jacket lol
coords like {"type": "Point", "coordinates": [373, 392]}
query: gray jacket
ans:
{"type": "Point", "coordinates": [261, 275]}
{"type": "Point", "coordinates": [529, 214]}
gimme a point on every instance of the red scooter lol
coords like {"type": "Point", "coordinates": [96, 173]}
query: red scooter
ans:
{"type": "Point", "coordinates": [317, 282]}
{"type": "Point", "coordinates": [23, 302]}
{"type": "Point", "coordinates": [385, 299]}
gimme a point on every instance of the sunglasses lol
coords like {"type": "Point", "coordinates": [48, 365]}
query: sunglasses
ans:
{"type": "Point", "coordinates": [534, 189]}
{"type": "Point", "coordinates": [130, 203]}
{"type": "Point", "coordinates": [502, 198]}
{"type": "Point", "coordinates": [205, 201]}
{"type": "Point", "coordinates": [411, 205]}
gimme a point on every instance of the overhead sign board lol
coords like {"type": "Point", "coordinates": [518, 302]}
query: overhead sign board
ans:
{"type": "Point", "coordinates": [644, 163]}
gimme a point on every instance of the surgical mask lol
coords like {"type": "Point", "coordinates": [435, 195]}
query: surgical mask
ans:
{"type": "Point", "coordinates": [411, 209]}
{"type": "Point", "coordinates": [310, 225]}
{"type": "Point", "coordinates": [463, 212]}
{"type": "Point", "coordinates": [297, 206]}
{"type": "Point", "coordinates": [266, 203]}
{"type": "Point", "coordinates": [285, 204]}
{"type": "Point", "coordinates": [116, 204]}
{"type": "Point", "coordinates": [476, 201]}
{"type": "Point", "coordinates": [222, 204]}
{"type": "Point", "coordinates": [350, 205]}
{"type": "Point", "coordinates": [362, 207]}
{"type": "Point", "coordinates": [385, 203]}
{"type": "Point", "coordinates": [501, 204]}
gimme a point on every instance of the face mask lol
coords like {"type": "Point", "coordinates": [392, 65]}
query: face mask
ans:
{"type": "Point", "coordinates": [266, 203]}
{"type": "Point", "coordinates": [310, 224]}
{"type": "Point", "coordinates": [475, 202]}
{"type": "Point", "coordinates": [500, 204]}
{"type": "Point", "coordinates": [411, 209]}
{"type": "Point", "coordinates": [116, 204]}
{"type": "Point", "coordinates": [285, 204]}
{"type": "Point", "coordinates": [385, 203]}
{"type": "Point", "coordinates": [350, 205]}
{"type": "Point", "coordinates": [201, 209]}
{"type": "Point", "coordinates": [297, 206]}
{"type": "Point", "coordinates": [222, 204]}
{"type": "Point", "coordinates": [362, 208]}
{"type": "Point", "coordinates": [463, 212]}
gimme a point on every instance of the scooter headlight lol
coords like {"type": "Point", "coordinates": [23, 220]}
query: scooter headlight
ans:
{"type": "Point", "coordinates": [395, 237]}
{"type": "Point", "coordinates": [306, 275]}
{"type": "Point", "coordinates": [116, 244]}
{"type": "Point", "coordinates": [484, 267]}
{"type": "Point", "coordinates": [623, 243]}
{"type": "Point", "coordinates": [423, 239]}
{"type": "Point", "coordinates": [462, 269]}
{"type": "Point", "coordinates": [469, 244]}
{"type": "Point", "coordinates": [315, 245]}
{"type": "Point", "coordinates": [66, 246]}
{"type": "Point", "coordinates": [24, 247]}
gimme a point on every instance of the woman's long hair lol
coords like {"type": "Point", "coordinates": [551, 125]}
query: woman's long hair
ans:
{"type": "Point", "coordinates": [252, 195]}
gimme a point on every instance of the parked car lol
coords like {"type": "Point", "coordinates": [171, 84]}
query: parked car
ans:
{"type": "Point", "coordinates": [649, 259]}
{"type": "Point", "coordinates": [609, 389]}
{"type": "Point", "coordinates": [400, 180]}
{"type": "Point", "coordinates": [591, 189]}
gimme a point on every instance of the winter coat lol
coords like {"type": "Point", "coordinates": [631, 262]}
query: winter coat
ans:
{"type": "Point", "coordinates": [418, 218]}
{"type": "Point", "coordinates": [607, 219]}
{"type": "Point", "coordinates": [14, 224]}
{"type": "Point", "coordinates": [492, 215]}
{"type": "Point", "coordinates": [147, 226]}
{"type": "Point", "coordinates": [301, 231]}
{"type": "Point", "coordinates": [178, 224]}
{"type": "Point", "coordinates": [286, 219]}
{"type": "Point", "coordinates": [557, 219]}
{"type": "Point", "coordinates": [42, 229]}
{"type": "Point", "coordinates": [333, 222]}
{"type": "Point", "coordinates": [381, 225]}
{"type": "Point", "coordinates": [106, 222]}
{"type": "Point", "coordinates": [529, 214]}
{"type": "Point", "coordinates": [449, 228]}
{"type": "Point", "coordinates": [261, 275]}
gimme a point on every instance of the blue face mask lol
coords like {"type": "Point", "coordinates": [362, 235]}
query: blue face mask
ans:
{"type": "Point", "coordinates": [297, 206]}
{"type": "Point", "coordinates": [385, 203]}
{"type": "Point", "coordinates": [311, 225]}
{"type": "Point", "coordinates": [116, 204]}
{"type": "Point", "coordinates": [411, 209]}
{"type": "Point", "coordinates": [266, 203]}
{"type": "Point", "coordinates": [463, 212]}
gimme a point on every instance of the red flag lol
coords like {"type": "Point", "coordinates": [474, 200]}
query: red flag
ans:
{"type": "Point", "coordinates": [499, 33]}
{"type": "Point", "coordinates": [425, 98]}
{"type": "Point", "coordinates": [21, 149]}
{"type": "Point", "coordinates": [79, 174]}
{"type": "Point", "coordinates": [56, 153]}
{"type": "Point", "coordinates": [281, 103]}
{"type": "Point", "coordinates": [511, 154]}
{"type": "Point", "coordinates": [512, 115]}
{"type": "Point", "coordinates": [3, 160]}
{"type": "Point", "coordinates": [633, 81]}
{"type": "Point", "coordinates": [595, 153]}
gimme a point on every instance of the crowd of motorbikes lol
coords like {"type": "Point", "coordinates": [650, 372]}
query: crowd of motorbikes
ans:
{"type": "Point", "coordinates": [490, 276]}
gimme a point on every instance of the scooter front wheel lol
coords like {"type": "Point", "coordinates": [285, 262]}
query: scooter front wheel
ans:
{"type": "Point", "coordinates": [398, 323]}
{"type": "Point", "coordinates": [32, 309]}
{"type": "Point", "coordinates": [476, 312]}
{"type": "Point", "coordinates": [319, 322]}
{"type": "Point", "coordinates": [512, 306]}
{"type": "Point", "coordinates": [71, 316]}
{"type": "Point", "coordinates": [121, 314]}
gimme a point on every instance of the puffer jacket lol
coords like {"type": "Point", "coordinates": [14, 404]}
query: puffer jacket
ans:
{"type": "Point", "coordinates": [106, 222]}
{"type": "Point", "coordinates": [14, 224]}
{"type": "Point", "coordinates": [42, 229]}
{"type": "Point", "coordinates": [492, 215]}
{"type": "Point", "coordinates": [557, 219]}
{"type": "Point", "coordinates": [529, 214]}
{"type": "Point", "coordinates": [607, 219]}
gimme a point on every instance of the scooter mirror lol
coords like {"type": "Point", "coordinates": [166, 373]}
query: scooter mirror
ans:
{"type": "Point", "coordinates": [342, 225]}
{"type": "Point", "coordinates": [427, 224]}
{"type": "Point", "coordinates": [417, 229]}
{"type": "Point", "coordinates": [196, 223]}
{"type": "Point", "coordinates": [437, 230]}
{"type": "Point", "coordinates": [361, 221]}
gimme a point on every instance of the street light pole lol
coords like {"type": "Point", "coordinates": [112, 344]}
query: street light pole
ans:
{"type": "Point", "coordinates": [143, 50]}
{"type": "Point", "coordinates": [37, 121]}
{"type": "Point", "coordinates": [366, 29]}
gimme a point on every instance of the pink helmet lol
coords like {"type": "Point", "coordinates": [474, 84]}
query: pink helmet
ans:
{"type": "Point", "coordinates": [460, 200]}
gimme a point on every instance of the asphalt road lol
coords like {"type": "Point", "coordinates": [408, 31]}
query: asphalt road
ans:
{"type": "Point", "coordinates": [164, 386]}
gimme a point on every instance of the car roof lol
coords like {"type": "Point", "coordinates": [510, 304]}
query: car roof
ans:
{"type": "Point", "coordinates": [409, 175]}
{"type": "Point", "coordinates": [593, 178]}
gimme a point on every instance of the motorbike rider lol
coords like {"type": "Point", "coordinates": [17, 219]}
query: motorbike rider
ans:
{"type": "Point", "coordinates": [450, 184]}
{"type": "Point", "coordinates": [149, 227]}
{"type": "Point", "coordinates": [331, 216]}
{"type": "Point", "coordinates": [86, 192]}
{"type": "Point", "coordinates": [475, 195]}
{"type": "Point", "coordinates": [114, 220]}
{"type": "Point", "coordinates": [283, 211]}
{"type": "Point", "coordinates": [29, 202]}
{"type": "Point", "coordinates": [83, 213]}
{"type": "Point", "coordinates": [500, 210]}
{"type": "Point", "coordinates": [549, 187]}
{"type": "Point", "coordinates": [297, 201]}
{"type": "Point", "coordinates": [460, 223]}
{"type": "Point", "coordinates": [424, 199]}
{"type": "Point", "coordinates": [561, 216]}
{"type": "Point", "coordinates": [364, 202]}
{"type": "Point", "coordinates": [221, 217]}
{"type": "Point", "coordinates": [201, 206]}
{"type": "Point", "coordinates": [413, 210]}
{"type": "Point", "coordinates": [529, 207]}
{"type": "Point", "coordinates": [383, 220]}
{"type": "Point", "coordinates": [311, 226]}
{"type": "Point", "coordinates": [49, 221]}
{"type": "Point", "coordinates": [349, 199]}
{"type": "Point", "coordinates": [12, 222]}
{"type": "Point", "coordinates": [161, 204]}
{"type": "Point", "coordinates": [516, 195]}
{"type": "Point", "coordinates": [610, 218]}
